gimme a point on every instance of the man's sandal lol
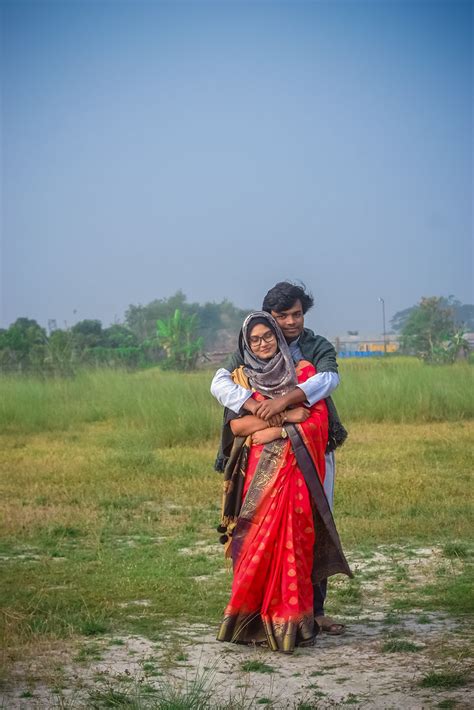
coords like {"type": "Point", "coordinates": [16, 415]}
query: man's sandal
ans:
{"type": "Point", "coordinates": [329, 626]}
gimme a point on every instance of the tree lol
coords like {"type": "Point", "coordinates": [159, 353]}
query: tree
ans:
{"type": "Point", "coordinates": [216, 322]}
{"type": "Point", "coordinates": [87, 334]}
{"type": "Point", "coordinates": [23, 345]}
{"type": "Point", "coordinates": [463, 314]}
{"type": "Point", "coordinates": [119, 336]}
{"type": "Point", "coordinates": [430, 331]}
{"type": "Point", "coordinates": [59, 352]}
{"type": "Point", "coordinates": [141, 320]}
{"type": "Point", "coordinates": [176, 336]}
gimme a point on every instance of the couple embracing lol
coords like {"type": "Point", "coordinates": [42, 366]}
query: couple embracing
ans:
{"type": "Point", "coordinates": [277, 455]}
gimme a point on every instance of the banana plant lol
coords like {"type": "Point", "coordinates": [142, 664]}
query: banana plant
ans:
{"type": "Point", "coordinates": [176, 335]}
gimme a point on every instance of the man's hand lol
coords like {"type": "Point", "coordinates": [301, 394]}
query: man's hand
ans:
{"type": "Point", "coordinates": [264, 436]}
{"type": "Point", "coordinates": [269, 408]}
{"type": "Point", "coordinates": [296, 415]}
{"type": "Point", "coordinates": [250, 405]}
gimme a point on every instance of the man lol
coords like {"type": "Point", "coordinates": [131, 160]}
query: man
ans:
{"type": "Point", "coordinates": [288, 304]}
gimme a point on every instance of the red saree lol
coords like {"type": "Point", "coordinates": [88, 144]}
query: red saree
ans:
{"type": "Point", "coordinates": [273, 541]}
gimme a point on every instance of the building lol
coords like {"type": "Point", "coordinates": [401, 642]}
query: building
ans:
{"type": "Point", "coordinates": [355, 345]}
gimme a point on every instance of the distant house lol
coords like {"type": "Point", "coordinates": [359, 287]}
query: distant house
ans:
{"type": "Point", "coordinates": [355, 345]}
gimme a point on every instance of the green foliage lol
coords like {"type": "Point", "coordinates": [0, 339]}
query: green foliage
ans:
{"type": "Point", "coordinates": [216, 321]}
{"type": "Point", "coordinates": [130, 357]}
{"type": "Point", "coordinates": [177, 337]}
{"type": "Point", "coordinates": [25, 346]}
{"type": "Point", "coordinates": [87, 333]}
{"type": "Point", "coordinates": [463, 314]}
{"type": "Point", "coordinates": [59, 353]}
{"type": "Point", "coordinates": [119, 336]}
{"type": "Point", "coordinates": [430, 332]}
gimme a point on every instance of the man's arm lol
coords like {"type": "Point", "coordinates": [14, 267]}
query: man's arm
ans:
{"type": "Point", "coordinates": [228, 393]}
{"type": "Point", "coordinates": [233, 361]}
{"type": "Point", "coordinates": [317, 387]}
{"type": "Point", "coordinates": [319, 351]}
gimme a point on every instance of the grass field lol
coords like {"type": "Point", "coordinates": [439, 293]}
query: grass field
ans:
{"type": "Point", "coordinates": [109, 503]}
{"type": "Point", "coordinates": [169, 409]}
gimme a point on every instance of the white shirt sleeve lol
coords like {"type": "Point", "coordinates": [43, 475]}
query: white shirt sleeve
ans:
{"type": "Point", "coordinates": [319, 386]}
{"type": "Point", "coordinates": [227, 392]}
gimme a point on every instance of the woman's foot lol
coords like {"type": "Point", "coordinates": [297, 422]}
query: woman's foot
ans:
{"type": "Point", "coordinates": [329, 625]}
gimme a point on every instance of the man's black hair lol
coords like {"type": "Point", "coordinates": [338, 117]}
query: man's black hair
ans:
{"type": "Point", "coordinates": [284, 295]}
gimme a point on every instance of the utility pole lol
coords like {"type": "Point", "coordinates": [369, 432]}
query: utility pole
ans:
{"type": "Point", "coordinates": [383, 319]}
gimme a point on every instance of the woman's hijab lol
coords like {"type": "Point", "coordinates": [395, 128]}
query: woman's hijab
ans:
{"type": "Point", "coordinates": [274, 377]}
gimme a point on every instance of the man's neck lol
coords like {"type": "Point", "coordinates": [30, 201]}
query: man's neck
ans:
{"type": "Point", "coordinates": [293, 340]}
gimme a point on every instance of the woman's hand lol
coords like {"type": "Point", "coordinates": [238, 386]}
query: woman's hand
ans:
{"type": "Point", "coordinates": [296, 415]}
{"type": "Point", "coordinates": [264, 436]}
{"type": "Point", "coordinates": [277, 420]}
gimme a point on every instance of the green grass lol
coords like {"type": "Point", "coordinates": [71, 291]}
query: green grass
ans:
{"type": "Point", "coordinates": [152, 408]}
{"type": "Point", "coordinates": [85, 535]}
{"type": "Point", "coordinates": [404, 390]}
{"type": "Point", "coordinates": [444, 679]}
{"type": "Point", "coordinates": [397, 645]}
{"type": "Point", "coordinates": [455, 550]}
{"type": "Point", "coordinates": [453, 592]}
{"type": "Point", "coordinates": [155, 408]}
{"type": "Point", "coordinates": [108, 497]}
{"type": "Point", "coordinates": [194, 693]}
{"type": "Point", "coordinates": [256, 666]}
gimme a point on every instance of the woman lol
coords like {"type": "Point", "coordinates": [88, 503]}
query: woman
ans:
{"type": "Point", "coordinates": [276, 520]}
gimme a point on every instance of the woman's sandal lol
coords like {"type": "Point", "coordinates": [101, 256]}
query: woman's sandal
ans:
{"type": "Point", "coordinates": [329, 626]}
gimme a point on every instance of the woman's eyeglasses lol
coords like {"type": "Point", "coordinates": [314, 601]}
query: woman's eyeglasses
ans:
{"type": "Point", "coordinates": [259, 339]}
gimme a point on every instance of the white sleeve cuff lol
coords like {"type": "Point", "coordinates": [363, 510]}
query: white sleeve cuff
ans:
{"type": "Point", "coordinates": [319, 386]}
{"type": "Point", "coordinates": [227, 392]}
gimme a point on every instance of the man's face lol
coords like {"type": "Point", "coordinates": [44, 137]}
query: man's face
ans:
{"type": "Point", "coordinates": [290, 321]}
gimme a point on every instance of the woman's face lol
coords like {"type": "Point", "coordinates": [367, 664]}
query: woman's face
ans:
{"type": "Point", "coordinates": [263, 342]}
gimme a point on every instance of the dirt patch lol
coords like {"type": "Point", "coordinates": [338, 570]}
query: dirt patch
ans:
{"type": "Point", "coordinates": [379, 662]}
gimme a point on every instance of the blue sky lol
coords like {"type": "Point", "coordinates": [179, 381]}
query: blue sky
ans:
{"type": "Point", "coordinates": [219, 147]}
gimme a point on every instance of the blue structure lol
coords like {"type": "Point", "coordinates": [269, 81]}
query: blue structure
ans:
{"type": "Point", "coordinates": [360, 353]}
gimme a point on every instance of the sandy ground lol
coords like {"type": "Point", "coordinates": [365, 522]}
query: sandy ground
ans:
{"type": "Point", "coordinates": [354, 669]}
